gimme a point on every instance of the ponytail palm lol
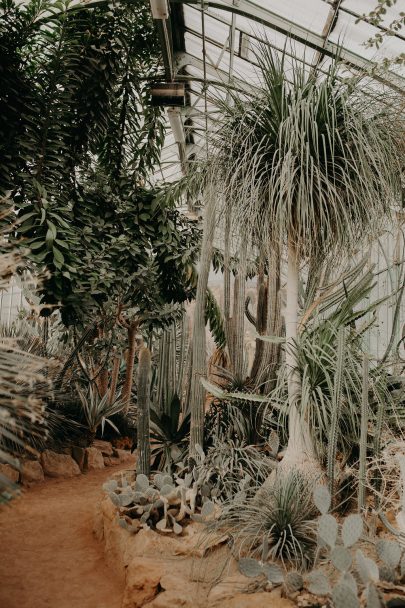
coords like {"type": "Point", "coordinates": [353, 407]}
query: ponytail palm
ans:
{"type": "Point", "coordinates": [311, 164]}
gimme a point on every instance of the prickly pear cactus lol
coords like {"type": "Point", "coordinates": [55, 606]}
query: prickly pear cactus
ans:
{"type": "Point", "coordinates": [317, 583]}
{"type": "Point", "coordinates": [341, 558]}
{"type": "Point", "coordinates": [274, 573]}
{"type": "Point", "coordinates": [250, 567]}
{"type": "Point", "coordinates": [352, 530]}
{"type": "Point", "coordinates": [389, 552]}
{"type": "Point", "coordinates": [328, 530]}
{"type": "Point", "coordinates": [373, 599]}
{"type": "Point", "coordinates": [367, 568]}
{"type": "Point", "coordinates": [387, 573]}
{"type": "Point", "coordinates": [163, 504]}
{"type": "Point", "coordinates": [322, 499]}
{"type": "Point", "coordinates": [343, 596]}
{"type": "Point", "coordinates": [293, 581]}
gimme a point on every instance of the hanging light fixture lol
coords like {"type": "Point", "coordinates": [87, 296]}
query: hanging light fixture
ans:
{"type": "Point", "coordinates": [168, 94]}
{"type": "Point", "coordinates": [176, 125]}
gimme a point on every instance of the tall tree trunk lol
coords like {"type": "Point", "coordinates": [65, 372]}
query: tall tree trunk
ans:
{"type": "Point", "coordinates": [143, 390]}
{"type": "Point", "coordinates": [300, 452]}
{"type": "Point", "coordinates": [199, 363]}
{"type": "Point", "coordinates": [129, 372]}
{"type": "Point", "coordinates": [227, 280]}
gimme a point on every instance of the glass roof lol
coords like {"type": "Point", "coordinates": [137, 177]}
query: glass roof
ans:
{"type": "Point", "coordinates": [214, 43]}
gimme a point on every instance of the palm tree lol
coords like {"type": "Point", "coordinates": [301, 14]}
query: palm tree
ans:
{"type": "Point", "coordinates": [311, 163]}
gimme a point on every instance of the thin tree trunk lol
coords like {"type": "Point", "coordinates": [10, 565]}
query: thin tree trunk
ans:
{"type": "Point", "coordinates": [129, 373]}
{"type": "Point", "coordinates": [300, 452]}
{"type": "Point", "coordinates": [114, 376]}
{"type": "Point", "coordinates": [143, 390]}
{"type": "Point", "coordinates": [199, 363]}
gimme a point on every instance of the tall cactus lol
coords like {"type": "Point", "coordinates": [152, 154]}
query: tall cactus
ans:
{"type": "Point", "coordinates": [238, 317]}
{"type": "Point", "coordinates": [336, 408]}
{"type": "Point", "coordinates": [132, 331]}
{"type": "Point", "coordinates": [363, 435]}
{"type": "Point", "coordinates": [144, 371]}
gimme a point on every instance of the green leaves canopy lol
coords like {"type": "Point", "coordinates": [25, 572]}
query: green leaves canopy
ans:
{"type": "Point", "coordinates": [79, 140]}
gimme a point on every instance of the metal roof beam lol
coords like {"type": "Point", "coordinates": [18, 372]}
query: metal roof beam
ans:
{"type": "Point", "coordinates": [248, 9]}
{"type": "Point", "coordinates": [221, 76]}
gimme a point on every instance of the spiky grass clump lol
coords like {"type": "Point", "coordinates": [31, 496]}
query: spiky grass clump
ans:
{"type": "Point", "coordinates": [233, 470]}
{"type": "Point", "coordinates": [280, 518]}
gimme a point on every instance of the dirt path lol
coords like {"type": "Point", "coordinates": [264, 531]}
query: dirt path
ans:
{"type": "Point", "coordinates": [49, 556]}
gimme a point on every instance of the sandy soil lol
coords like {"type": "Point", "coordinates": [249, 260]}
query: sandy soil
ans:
{"type": "Point", "coordinates": [49, 556]}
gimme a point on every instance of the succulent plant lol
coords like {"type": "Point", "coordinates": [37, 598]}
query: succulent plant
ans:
{"type": "Point", "coordinates": [318, 583]}
{"type": "Point", "coordinates": [164, 503]}
{"type": "Point", "coordinates": [343, 596]}
{"type": "Point", "coordinates": [293, 581]}
{"type": "Point", "coordinates": [389, 552]}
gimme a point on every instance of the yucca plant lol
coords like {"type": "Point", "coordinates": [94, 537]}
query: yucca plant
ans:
{"type": "Point", "coordinates": [169, 435]}
{"type": "Point", "coordinates": [98, 410]}
{"type": "Point", "coordinates": [311, 164]}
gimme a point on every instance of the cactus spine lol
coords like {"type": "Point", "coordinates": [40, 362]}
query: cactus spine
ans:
{"type": "Point", "coordinates": [144, 371]}
{"type": "Point", "coordinates": [363, 435]}
{"type": "Point", "coordinates": [336, 407]}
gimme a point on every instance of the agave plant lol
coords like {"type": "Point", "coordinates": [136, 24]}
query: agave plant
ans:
{"type": "Point", "coordinates": [169, 435]}
{"type": "Point", "coordinates": [98, 410]}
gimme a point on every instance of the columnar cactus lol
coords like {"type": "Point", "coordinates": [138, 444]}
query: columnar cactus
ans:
{"type": "Point", "coordinates": [144, 370]}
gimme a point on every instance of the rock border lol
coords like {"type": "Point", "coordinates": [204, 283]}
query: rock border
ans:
{"type": "Point", "coordinates": [69, 463]}
{"type": "Point", "coordinates": [159, 570]}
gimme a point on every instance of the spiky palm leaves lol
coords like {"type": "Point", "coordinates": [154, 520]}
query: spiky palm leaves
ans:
{"type": "Point", "coordinates": [23, 383]}
{"type": "Point", "coordinates": [309, 162]}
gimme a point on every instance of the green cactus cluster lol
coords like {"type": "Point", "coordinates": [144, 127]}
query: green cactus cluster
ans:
{"type": "Point", "coordinates": [166, 503]}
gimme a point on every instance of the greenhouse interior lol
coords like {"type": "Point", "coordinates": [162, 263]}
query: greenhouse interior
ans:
{"type": "Point", "coordinates": [202, 303]}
